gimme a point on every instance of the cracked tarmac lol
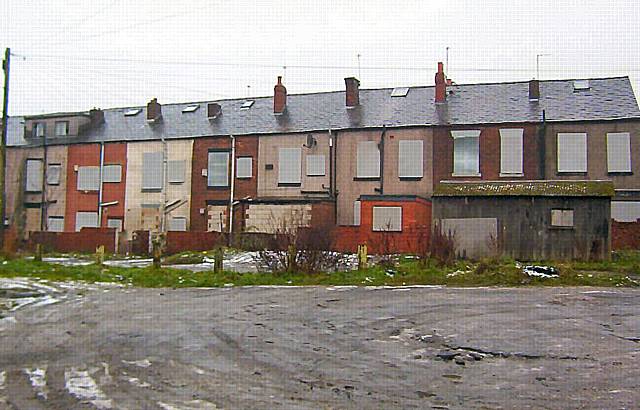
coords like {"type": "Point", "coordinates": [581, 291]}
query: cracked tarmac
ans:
{"type": "Point", "coordinates": [314, 347]}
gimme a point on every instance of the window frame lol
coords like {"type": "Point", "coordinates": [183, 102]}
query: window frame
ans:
{"type": "Point", "coordinates": [86, 168]}
{"type": "Point", "coordinates": [376, 227]}
{"type": "Point", "coordinates": [172, 173]}
{"type": "Point", "coordinates": [250, 162]}
{"type": "Point", "coordinates": [310, 172]}
{"type": "Point", "coordinates": [561, 154]}
{"type": "Point", "coordinates": [119, 219]}
{"type": "Point", "coordinates": [40, 176]}
{"type": "Point", "coordinates": [48, 174]}
{"type": "Point", "coordinates": [174, 218]}
{"type": "Point", "coordinates": [66, 128]}
{"type": "Point", "coordinates": [86, 226]}
{"type": "Point", "coordinates": [459, 135]}
{"type": "Point", "coordinates": [104, 174]}
{"type": "Point", "coordinates": [563, 214]}
{"type": "Point", "coordinates": [145, 168]}
{"type": "Point", "coordinates": [628, 159]}
{"type": "Point", "coordinates": [56, 218]}
{"type": "Point", "coordinates": [505, 135]}
{"type": "Point", "coordinates": [209, 168]}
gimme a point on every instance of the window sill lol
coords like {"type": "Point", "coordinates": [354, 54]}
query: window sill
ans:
{"type": "Point", "coordinates": [619, 173]}
{"type": "Point", "coordinates": [511, 175]}
{"type": "Point", "coordinates": [316, 176]}
{"type": "Point", "coordinates": [570, 173]}
{"type": "Point", "coordinates": [466, 175]}
{"type": "Point", "coordinates": [218, 188]}
{"type": "Point", "coordinates": [243, 178]}
{"type": "Point", "coordinates": [561, 228]}
{"type": "Point", "coordinates": [146, 190]}
{"type": "Point", "coordinates": [386, 231]}
{"type": "Point", "coordinates": [366, 178]}
{"type": "Point", "coordinates": [289, 184]}
{"type": "Point", "coordinates": [410, 178]}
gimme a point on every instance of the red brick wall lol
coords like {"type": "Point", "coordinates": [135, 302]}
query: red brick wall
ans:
{"type": "Point", "coordinates": [193, 241]}
{"type": "Point", "coordinates": [489, 153]}
{"type": "Point", "coordinates": [78, 201]}
{"type": "Point", "coordinates": [87, 240]}
{"type": "Point", "coordinates": [246, 146]}
{"type": "Point", "coordinates": [625, 235]}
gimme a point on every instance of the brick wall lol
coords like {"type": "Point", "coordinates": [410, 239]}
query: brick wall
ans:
{"type": "Point", "coordinates": [193, 241]}
{"type": "Point", "coordinates": [87, 240]}
{"type": "Point", "coordinates": [625, 235]}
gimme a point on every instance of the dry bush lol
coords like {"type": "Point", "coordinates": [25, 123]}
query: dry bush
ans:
{"type": "Point", "coordinates": [442, 246]}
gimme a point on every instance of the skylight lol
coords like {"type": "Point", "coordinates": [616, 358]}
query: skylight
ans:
{"type": "Point", "coordinates": [400, 92]}
{"type": "Point", "coordinates": [580, 85]}
{"type": "Point", "coordinates": [246, 105]}
{"type": "Point", "coordinates": [132, 112]}
{"type": "Point", "coordinates": [190, 108]}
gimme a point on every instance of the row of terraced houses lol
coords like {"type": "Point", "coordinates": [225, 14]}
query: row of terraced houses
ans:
{"type": "Point", "coordinates": [364, 161]}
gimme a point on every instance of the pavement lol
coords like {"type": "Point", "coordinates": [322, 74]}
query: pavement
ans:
{"type": "Point", "coordinates": [109, 347]}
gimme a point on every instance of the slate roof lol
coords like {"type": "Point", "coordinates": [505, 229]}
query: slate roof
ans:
{"type": "Point", "coordinates": [525, 188]}
{"type": "Point", "coordinates": [606, 99]}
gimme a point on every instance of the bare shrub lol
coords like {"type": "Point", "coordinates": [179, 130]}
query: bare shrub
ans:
{"type": "Point", "coordinates": [383, 243]}
{"type": "Point", "coordinates": [442, 246]}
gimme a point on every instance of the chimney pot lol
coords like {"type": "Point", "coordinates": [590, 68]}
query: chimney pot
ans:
{"type": "Point", "coordinates": [352, 92]}
{"type": "Point", "coordinates": [441, 85]}
{"type": "Point", "coordinates": [279, 97]}
{"type": "Point", "coordinates": [213, 110]}
{"type": "Point", "coordinates": [534, 90]}
{"type": "Point", "coordinates": [96, 115]}
{"type": "Point", "coordinates": [154, 110]}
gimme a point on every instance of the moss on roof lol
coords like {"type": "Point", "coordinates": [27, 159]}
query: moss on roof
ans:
{"type": "Point", "coordinates": [525, 188]}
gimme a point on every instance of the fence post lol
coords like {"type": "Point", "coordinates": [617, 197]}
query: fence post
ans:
{"type": "Point", "coordinates": [100, 255]}
{"type": "Point", "coordinates": [218, 257]}
{"type": "Point", "coordinates": [362, 257]}
{"type": "Point", "coordinates": [38, 255]}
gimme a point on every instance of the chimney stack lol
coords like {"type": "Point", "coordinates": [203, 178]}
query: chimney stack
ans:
{"type": "Point", "coordinates": [279, 97]}
{"type": "Point", "coordinates": [213, 110]}
{"type": "Point", "coordinates": [534, 90]}
{"type": "Point", "coordinates": [154, 110]}
{"type": "Point", "coordinates": [441, 85]}
{"type": "Point", "coordinates": [96, 115]}
{"type": "Point", "coordinates": [353, 92]}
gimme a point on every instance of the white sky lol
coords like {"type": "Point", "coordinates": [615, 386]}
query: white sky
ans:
{"type": "Point", "coordinates": [75, 55]}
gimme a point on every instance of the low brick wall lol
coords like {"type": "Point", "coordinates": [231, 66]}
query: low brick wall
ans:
{"type": "Point", "coordinates": [193, 241]}
{"type": "Point", "coordinates": [625, 235]}
{"type": "Point", "coordinates": [87, 240]}
{"type": "Point", "coordinates": [413, 240]}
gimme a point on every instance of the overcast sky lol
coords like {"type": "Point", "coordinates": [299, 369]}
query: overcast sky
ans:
{"type": "Point", "coordinates": [75, 55]}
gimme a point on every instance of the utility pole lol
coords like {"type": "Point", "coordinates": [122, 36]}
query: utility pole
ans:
{"type": "Point", "coordinates": [3, 142]}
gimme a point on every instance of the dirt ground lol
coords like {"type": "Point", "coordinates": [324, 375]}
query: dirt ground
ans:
{"type": "Point", "coordinates": [322, 348]}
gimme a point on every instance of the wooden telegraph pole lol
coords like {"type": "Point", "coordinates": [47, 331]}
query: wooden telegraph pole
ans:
{"type": "Point", "coordinates": [3, 142]}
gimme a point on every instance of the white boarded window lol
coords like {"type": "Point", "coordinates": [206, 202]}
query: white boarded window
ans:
{"type": "Point", "coordinates": [572, 152]}
{"type": "Point", "coordinates": [86, 220]}
{"type": "Point", "coordinates": [511, 151]}
{"type": "Point", "coordinates": [114, 223]}
{"type": "Point", "coordinates": [410, 159]}
{"type": "Point", "coordinates": [34, 175]}
{"type": "Point", "coordinates": [356, 213]}
{"type": "Point", "coordinates": [244, 167]}
{"type": "Point", "coordinates": [152, 172]}
{"type": "Point", "coordinates": [88, 178]}
{"type": "Point", "coordinates": [112, 173]}
{"type": "Point", "coordinates": [178, 223]}
{"type": "Point", "coordinates": [55, 224]}
{"type": "Point", "coordinates": [315, 165]}
{"type": "Point", "coordinates": [289, 165]}
{"type": "Point", "coordinates": [176, 171]}
{"type": "Point", "coordinates": [625, 211]}
{"type": "Point", "coordinates": [466, 153]}
{"type": "Point", "coordinates": [62, 128]}
{"type": "Point", "coordinates": [619, 152]}
{"type": "Point", "coordinates": [562, 217]}
{"type": "Point", "coordinates": [218, 169]}
{"type": "Point", "coordinates": [387, 218]}
{"type": "Point", "coordinates": [368, 160]}
{"type": "Point", "coordinates": [38, 129]}
{"type": "Point", "coordinates": [53, 174]}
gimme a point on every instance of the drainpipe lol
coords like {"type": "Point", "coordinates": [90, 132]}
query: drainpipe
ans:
{"type": "Point", "coordinates": [163, 219]}
{"type": "Point", "coordinates": [233, 185]}
{"type": "Point", "coordinates": [43, 205]}
{"type": "Point", "coordinates": [101, 174]}
{"type": "Point", "coordinates": [381, 148]}
{"type": "Point", "coordinates": [333, 141]}
{"type": "Point", "coordinates": [542, 140]}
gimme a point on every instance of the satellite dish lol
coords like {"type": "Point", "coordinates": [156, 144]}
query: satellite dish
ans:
{"type": "Point", "coordinates": [311, 142]}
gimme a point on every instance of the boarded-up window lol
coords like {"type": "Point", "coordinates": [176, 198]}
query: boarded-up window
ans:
{"type": "Point", "coordinates": [62, 128]}
{"type": "Point", "coordinates": [38, 129]}
{"type": "Point", "coordinates": [114, 223]}
{"type": "Point", "coordinates": [562, 217]}
{"type": "Point", "coordinates": [368, 160]}
{"type": "Point", "coordinates": [112, 173]}
{"type": "Point", "coordinates": [315, 165]}
{"type": "Point", "coordinates": [34, 175]}
{"type": "Point", "coordinates": [53, 174]}
{"type": "Point", "coordinates": [152, 175]}
{"type": "Point", "coordinates": [218, 169]}
{"type": "Point", "coordinates": [88, 178]}
{"type": "Point", "coordinates": [511, 151]}
{"type": "Point", "coordinates": [176, 171]}
{"type": "Point", "coordinates": [55, 224]}
{"type": "Point", "coordinates": [625, 211]}
{"type": "Point", "coordinates": [466, 153]}
{"type": "Point", "coordinates": [387, 218]}
{"type": "Point", "coordinates": [86, 219]}
{"type": "Point", "coordinates": [356, 213]}
{"type": "Point", "coordinates": [619, 152]}
{"type": "Point", "coordinates": [178, 223]}
{"type": "Point", "coordinates": [244, 167]}
{"type": "Point", "coordinates": [572, 152]}
{"type": "Point", "coordinates": [410, 159]}
{"type": "Point", "coordinates": [289, 165]}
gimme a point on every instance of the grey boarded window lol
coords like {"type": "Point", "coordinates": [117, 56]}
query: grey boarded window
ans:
{"type": "Point", "coordinates": [466, 152]}
{"type": "Point", "coordinates": [625, 211]}
{"type": "Point", "coordinates": [152, 171]}
{"type": "Point", "coordinates": [368, 160]}
{"type": "Point", "coordinates": [112, 173]}
{"type": "Point", "coordinates": [562, 217]}
{"type": "Point", "coordinates": [618, 152]}
{"type": "Point", "coordinates": [387, 218]}
{"type": "Point", "coordinates": [176, 171]}
{"type": "Point", "coordinates": [62, 128]}
{"type": "Point", "coordinates": [511, 151]}
{"type": "Point", "coordinates": [289, 165]}
{"type": "Point", "coordinates": [218, 169]}
{"type": "Point", "coordinates": [572, 152]}
{"type": "Point", "coordinates": [53, 174]}
{"type": "Point", "coordinates": [34, 175]}
{"type": "Point", "coordinates": [410, 159]}
{"type": "Point", "coordinates": [114, 223]}
{"type": "Point", "coordinates": [356, 212]}
{"type": "Point", "coordinates": [315, 165]}
{"type": "Point", "coordinates": [178, 223]}
{"type": "Point", "coordinates": [55, 224]}
{"type": "Point", "coordinates": [86, 219]}
{"type": "Point", "coordinates": [244, 167]}
{"type": "Point", "coordinates": [88, 178]}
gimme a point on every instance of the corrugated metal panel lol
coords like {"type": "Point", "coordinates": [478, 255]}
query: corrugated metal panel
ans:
{"type": "Point", "coordinates": [112, 173]}
{"type": "Point", "coordinates": [289, 165]}
{"type": "Point", "coordinates": [55, 224]}
{"type": "Point", "coordinates": [176, 171]}
{"type": "Point", "coordinates": [88, 178]}
{"type": "Point", "coordinates": [572, 152]}
{"type": "Point", "coordinates": [244, 167]}
{"type": "Point", "coordinates": [511, 151]}
{"type": "Point", "coordinates": [34, 175]}
{"type": "Point", "coordinates": [316, 165]}
{"type": "Point", "coordinates": [387, 218]}
{"type": "Point", "coordinates": [410, 163]}
{"type": "Point", "coordinates": [368, 161]}
{"type": "Point", "coordinates": [218, 169]}
{"type": "Point", "coordinates": [86, 219]}
{"type": "Point", "coordinates": [619, 152]}
{"type": "Point", "coordinates": [152, 175]}
{"type": "Point", "coordinates": [178, 224]}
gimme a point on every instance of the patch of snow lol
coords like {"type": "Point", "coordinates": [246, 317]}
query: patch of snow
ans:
{"type": "Point", "coordinates": [129, 263]}
{"type": "Point", "coordinates": [140, 363]}
{"type": "Point", "coordinates": [38, 379]}
{"type": "Point", "coordinates": [189, 405]}
{"type": "Point", "coordinates": [545, 272]}
{"type": "Point", "coordinates": [136, 382]}
{"type": "Point", "coordinates": [81, 385]}
{"type": "Point", "coordinates": [67, 261]}
{"type": "Point", "coordinates": [7, 320]}
{"type": "Point", "coordinates": [3, 378]}
{"type": "Point", "coordinates": [458, 273]}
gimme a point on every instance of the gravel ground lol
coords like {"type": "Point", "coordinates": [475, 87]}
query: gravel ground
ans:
{"type": "Point", "coordinates": [321, 348]}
